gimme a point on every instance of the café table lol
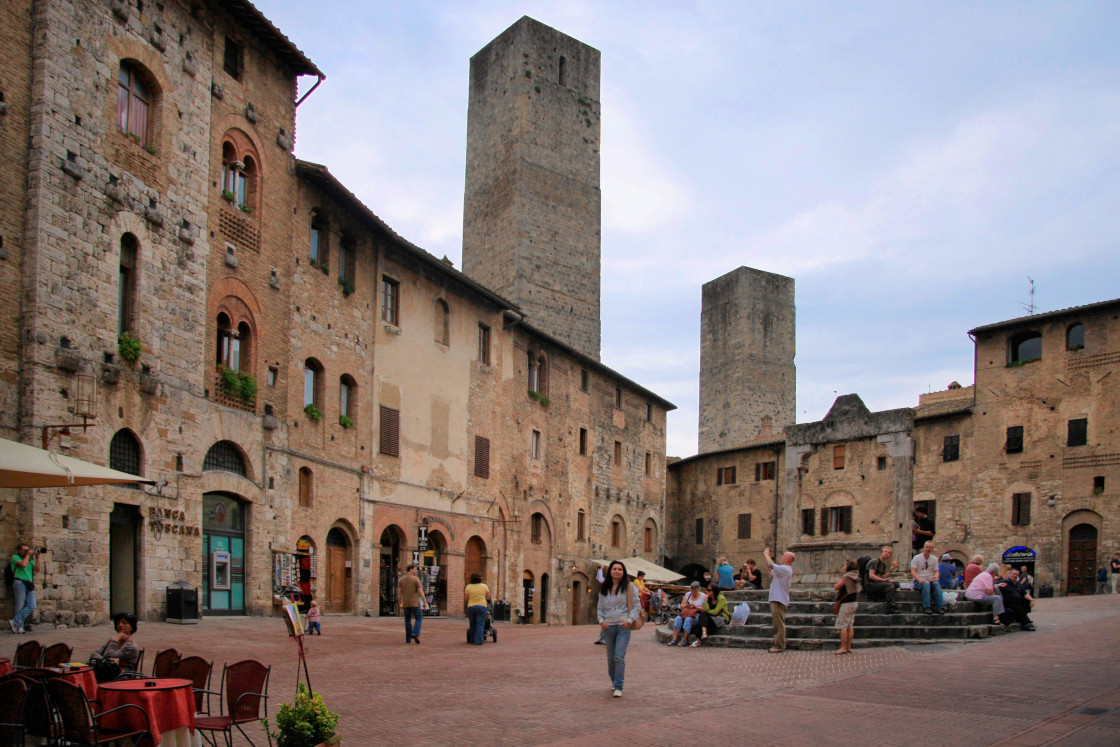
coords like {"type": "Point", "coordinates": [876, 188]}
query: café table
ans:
{"type": "Point", "coordinates": [5, 666]}
{"type": "Point", "coordinates": [80, 675]}
{"type": "Point", "coordinates": [168, 701]}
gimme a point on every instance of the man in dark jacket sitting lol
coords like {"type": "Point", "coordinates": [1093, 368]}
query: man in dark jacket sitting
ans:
{"type": "Point", "coordinates": [1015, 605]}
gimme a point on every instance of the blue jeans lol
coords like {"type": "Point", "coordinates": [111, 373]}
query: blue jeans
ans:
{"type": "Point", "coordinates": [617, 638]}
{"type": "Point", "coordinates": [24, 602]}
{"type": "Point", "coordinates": [314, 628]}
{"type": "Point", "coordinates": [412, 630]}
{"type": "Point", "coordinates": [684, 623]}
{"type": "Point", "coordinates": [927, 588]}
{"type": "Point", "coordinates": [476, 614]}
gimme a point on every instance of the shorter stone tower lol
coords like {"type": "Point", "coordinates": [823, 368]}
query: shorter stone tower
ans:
{"type": "Point", "coordinates": [748, 381]}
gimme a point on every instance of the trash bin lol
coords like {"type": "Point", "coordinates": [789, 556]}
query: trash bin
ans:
{"type": "Point", "coordinates": [501, 610]}
{"type": "Point", "coordinates": [182, 604]}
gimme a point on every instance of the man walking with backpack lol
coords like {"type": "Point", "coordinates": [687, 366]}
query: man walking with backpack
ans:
{"type": "Point", "coordinates": [22, 567]}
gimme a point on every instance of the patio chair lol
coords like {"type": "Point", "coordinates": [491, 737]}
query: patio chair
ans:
{"type": "Point", "coordinates": [40, 717]}
{"type": "Point", "coordinates": [161, 666]}
{"type": "Point", "coordinates": [134, 672]}
{"type": "Point", "coordinates": [28, 654]}
{"type": "Point", "coordinates": [13, 692]}
{"type": "Point", "coordinates": [81, 726]}
{"type": "Point", "coordinates": [197, 670]}
{"type": "Point", "coordinates": [56, 654]}
{"type": "Point", "coordinates": [244, 688]}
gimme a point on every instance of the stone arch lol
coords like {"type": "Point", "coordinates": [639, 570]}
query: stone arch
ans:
{"type": "Point", "coordinates": [246, 461]}
{"type": "Point", "coordinates": [1079, 566]}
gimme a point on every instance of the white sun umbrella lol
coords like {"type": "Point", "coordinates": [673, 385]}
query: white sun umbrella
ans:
{"type": "Point", "coordinates": [23, 466]}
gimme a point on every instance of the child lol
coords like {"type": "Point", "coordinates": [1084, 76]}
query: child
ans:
{"type": "Point", "coordinates": [313, 625]}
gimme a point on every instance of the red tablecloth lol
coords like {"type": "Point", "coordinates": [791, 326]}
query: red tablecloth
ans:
{"type": "Point", "coordinates": [169, 703]}
{"type": "Point", "coordinates": [83, 677]}
{"type": "Point", "coordinates": [5, 666]}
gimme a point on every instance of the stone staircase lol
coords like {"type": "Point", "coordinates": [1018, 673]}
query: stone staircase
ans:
{"type": "Point", "coordinates": [809, 622]}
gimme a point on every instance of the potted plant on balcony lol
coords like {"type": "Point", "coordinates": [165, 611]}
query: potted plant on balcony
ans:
{"type": "Point", "coordinates": [305, 722]}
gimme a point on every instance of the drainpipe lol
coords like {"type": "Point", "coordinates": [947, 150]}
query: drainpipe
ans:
{"type": "Point", "coordinates": [311, 90]}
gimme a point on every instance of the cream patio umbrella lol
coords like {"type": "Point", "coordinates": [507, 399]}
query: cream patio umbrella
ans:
{"type": "Point", "coordinates": [23, 466]}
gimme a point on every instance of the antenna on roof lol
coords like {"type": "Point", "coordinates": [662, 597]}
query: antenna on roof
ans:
{"type": "Point", "coordinates": [1030, 306]}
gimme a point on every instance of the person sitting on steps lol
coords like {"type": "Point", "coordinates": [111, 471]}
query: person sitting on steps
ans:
{"type": "Point", "coordinates": [923, 568]}
{"type": "Point", "coordinates": [1016, 607]}
{"type": "Point", "coordinates": [691, 605]}
{"type": "Point", "coordinates": [879, 583]}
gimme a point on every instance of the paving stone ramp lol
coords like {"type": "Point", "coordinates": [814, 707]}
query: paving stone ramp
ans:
{"type": "Point", "coordinates": [809, 623]}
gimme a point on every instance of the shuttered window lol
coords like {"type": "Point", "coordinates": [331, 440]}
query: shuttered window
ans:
{"type": "Point", "coordinates": [1078, 434]}
{"type": "Point", "coordinates": [951, 452]}
{"type": "Point", "coordinates": [744, 526]}
{"type": "Point", "coordinates": [481, 457]}
{"type": "Point", "coordinates": [1021, 509]}
{"type": "Point", "coordinates": [836, 519]}
{"type": "Point", "coordinates": [1015, 439]}
{"type": "Point", "coordinates": [765, 471]}
{"type": "Point", "coordinates": [837, 457]}
{"type": "Point", "coordinates": [390, 431]}
{"type": "Point", "coordinates": [808, 521]}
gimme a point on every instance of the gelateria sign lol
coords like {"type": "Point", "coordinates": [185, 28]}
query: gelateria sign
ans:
{"type": "Point", "coordinates": [1019, 555]}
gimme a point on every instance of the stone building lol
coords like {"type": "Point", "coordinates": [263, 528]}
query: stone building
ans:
{"type": "Point", "coordinates": [1018, 467]}
{"type": "Point", "coordinates": [319, 401]}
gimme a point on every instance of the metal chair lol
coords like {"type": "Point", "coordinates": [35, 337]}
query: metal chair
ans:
{"type": "Point", "coordinates": [161, 666]}
{"type": "Point", "coordinates": [28, 654]}
{"type": "Point", "coordinates": [197, 670]}
{"type": "Point", "coordinates": [55, 654]}
{"type": "Point", "coordinates": [13, 693]}
{"type": "Point", "coordinates": [40, 717]}
{"type": "Point", "coordinates": [81, 726]}
{"type": "Point", "coordinates": [244, 689]}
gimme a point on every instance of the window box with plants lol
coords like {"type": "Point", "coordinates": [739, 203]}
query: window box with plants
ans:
{"type": "Point", "coordinates": [313, 413]}
{"type": "Point", "coordinates": [239, 385]}
{"type": "Point", "coordinates": [128, 347]}
{"type": "Point", "coordinates": [345, 421]}
{"type": "Point", "coordinates": [542, 398]}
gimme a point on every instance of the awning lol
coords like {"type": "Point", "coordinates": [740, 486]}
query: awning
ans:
{"type": "Point", "coordinates": [654, 572]}
{"type": "Point", "coordinates": [23, 466]}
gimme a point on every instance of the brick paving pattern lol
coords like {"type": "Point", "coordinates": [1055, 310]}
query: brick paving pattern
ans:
{"type": "Point", "coordinates": [541, 685]}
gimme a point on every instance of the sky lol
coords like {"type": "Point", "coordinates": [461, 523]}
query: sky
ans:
{"type": "Point", "coordinates": [913, 166]}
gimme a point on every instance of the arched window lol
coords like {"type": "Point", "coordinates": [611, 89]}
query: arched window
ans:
{"type": "Point", "coordinates": [1075, 337]}
{"type": "Point", "coordinates": [240, 166]}
{"type": "Point", "coordinates": [536, 527]}
{"type": "Point", "coordinates": [443, 322]}
{"type": "Point", "coordinates": [538, 372]}
{"type": "Point", "coordinates": [313, 383]}
{"type": "Point", "coordinates": [305, 486]}
{"type": "Point", "coordinates": [229, 344]}
{"type": "Point", "coordinates": [347, 388]}
{"type": "Point", "coordinates": [649, 536]}
{"type": "Point", "coordinates": [126, 287]}
{"type": "Point", "coordinates": [1025, 347]}
{"type": "Point", "coordinates": [124, 452]}
{"type": "Point", "coordinates": [134, 103]}
{"type": "Point", "coordinates": [618, 531]}
{"type": "Point", "coordinates": [319, 249]}
{"type": "Point", "coordinates": [225, 456]}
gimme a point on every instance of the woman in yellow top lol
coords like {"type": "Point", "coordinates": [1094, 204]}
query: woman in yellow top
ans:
{"type": "Point", "coordinates": [476, 596]}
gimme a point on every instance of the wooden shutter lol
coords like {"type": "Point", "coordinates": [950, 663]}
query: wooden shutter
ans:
{"type": "Point", "coordinates": [1025, 508]}
{"type": "Point", "coordinates": [390, 431]}
{"type": "Point", "coordinates": [808, 519]}
{"type": "Point", "coordinates": [757, 472]}
{"type": "Point", "coordinates": [824, 520]}
{"type": "Point", "coordinates": [481, 457]}
{"type": "Point", "coordinates": [846, 519]}
{"type": "Point", "coordinates": [744, 526]}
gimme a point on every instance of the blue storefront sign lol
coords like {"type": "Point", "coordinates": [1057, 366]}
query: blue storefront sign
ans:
{"type": "Point", "coordinates": [1017, 556]}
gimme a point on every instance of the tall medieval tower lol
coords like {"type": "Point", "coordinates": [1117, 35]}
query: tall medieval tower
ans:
{"type": "Point", "coordinates": [532, 210]}
{"type": "Point", "coordinates": [748, 381]}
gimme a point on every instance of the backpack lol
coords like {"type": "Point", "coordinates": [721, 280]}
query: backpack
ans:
{"type": "Point", "coordinates": [862, 562]}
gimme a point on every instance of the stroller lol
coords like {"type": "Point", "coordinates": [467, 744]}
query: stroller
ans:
{"type": "Point", "coordinates": [487, 626]}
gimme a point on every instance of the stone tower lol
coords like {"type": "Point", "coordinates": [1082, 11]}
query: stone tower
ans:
{"type": "Point", "coordinates": [532, 209]}
{"type": "Point", "coordinates": [748, 381]}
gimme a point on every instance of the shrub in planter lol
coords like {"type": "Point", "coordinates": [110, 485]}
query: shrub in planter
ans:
{"type": "Point", "coordinates": [248, 387]}
{"type": "Point", "coordinates": [305, 722]}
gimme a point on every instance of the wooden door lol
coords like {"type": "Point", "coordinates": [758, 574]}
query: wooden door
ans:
{"type": "Point", "coordinates": [336, 578]}
{"type": "Point", "coordinates": [474, 562]}
{"type": "Point", "coordinates": [577, 599]}
{"type": "Point", "coordinates": [1082, 559]}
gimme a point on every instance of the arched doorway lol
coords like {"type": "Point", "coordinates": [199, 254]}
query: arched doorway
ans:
{"type": "Point", "coordinates": [339, 572]}
{"type": "Point", "coordinates": [1082, 559]}
{"type": "Point", "coordinates": [527, 596]}
{"type": "Point", "coordinates": [475, 560]}
{"type": "Point", "coordinates": [434, 572]}
{"type": "Point", "coordinates": [391, 541]}
{"type": "Point", "coordinates": [544, 598]}
{"type": "Point", "coordinates": [224, 518]}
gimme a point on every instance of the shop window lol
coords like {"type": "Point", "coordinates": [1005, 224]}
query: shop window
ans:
{"type": "Point", "coordinates": [808, 521]}
{"type": "Point", "coordinates": [305, 486]}
{"type": "Point", "coordinates": [481, 457]}
{"type": "Point", "coordinates": [225, 457]}
{"type": "Point", "coordinates": [124, 453]}
{"type": "Point", "coordinates": [699, 533]}
{"type": "Point", "coordinates": [1078, 432]}
{"type": "Point", "coordinates": [347, 388]}
{"type": "Point", "coordinates": [726, 476]}
{"type": "Point", "coordinates": [744, 526]}
{"type": "Point", "coordinates": [233, 61]}
{"type": "Point", "coordinates": [313, 383]}
{"type": "Point", "coordinates": [1020, 509]}
{"type": "Point", "coordinates": [1024, 348]}
{"type": "Point", "coordinates": [838, 457]}
{"type": "Point", "coordinates": [390, 431]}
{"type": "Point", "coordinates": [135, 103]}
{"type": "Point", "coordinates": [535, 444]}
{"type": "Point", "coordinates": [319, 248]}
{"type": "Point", "coordinates": [126, 283]}
{"type": "Point", "coordinates": [581, 526]}
{"type": "Point", "coordinates": [765, 471]}
{"type": "Point", "coordinates": [1014, 443]}
{"type": "Point", "coordinates": [951, 450]}
{"type": "Point", "coordinates": [583, 441]}
{"type": "Point", "coordinates": [390, 301]}
{"type": "Point", "coordinates": [836, 519]}
{"type": "Point", "coordinates": [536, 528]}
{"type": "Point", "coordinates": [1075, 337]}
{"type": "Point", "coordinates": [442, 322]}
{"type": "Point", "coordinates": [483, 344]}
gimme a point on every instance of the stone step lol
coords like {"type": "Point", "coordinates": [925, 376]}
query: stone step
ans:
{"type": "Point", "coordinates": [823, 641]}
{"type": "Point", "coordinates": [949, 619]}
